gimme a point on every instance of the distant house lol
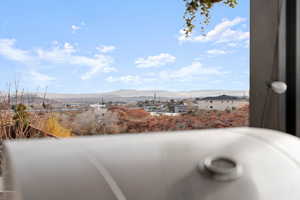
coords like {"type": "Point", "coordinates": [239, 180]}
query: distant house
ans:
{"type": "Point", "coordinates": [180, 108]}
{"type": "Point", "coordinates": [164, 113]}
{"type": "Point", "coordinates": [73, 105]}
{"type": "Point", "coordinates": [99, 107]}
{"type": "Point", "coordinates": [152, 108]}
{"type": "Point", "coordinates": [222, 102]}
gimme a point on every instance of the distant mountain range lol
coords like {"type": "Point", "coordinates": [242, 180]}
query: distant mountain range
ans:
{"type": "Point", "coordinates": [150, 93]}
{"type": "Point", "coordinates": [222, 98]}
{"type": "Point", "coordinates": [130, 95]}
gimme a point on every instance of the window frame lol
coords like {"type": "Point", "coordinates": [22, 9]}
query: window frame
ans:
{"type": "Point", "coordinates": [293, 66]}
{"type": "Point", "coordinates": [271, 21]}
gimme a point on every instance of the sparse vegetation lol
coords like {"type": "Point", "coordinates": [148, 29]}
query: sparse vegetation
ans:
{"type": "Point", "coordinates": [53, 126]}
{"type": "Point", "coordinates": [17, 122]}
{"type": "Point", "coordinates": [125, 120]}
{"type": "Point", "coordinates": [92, 122]}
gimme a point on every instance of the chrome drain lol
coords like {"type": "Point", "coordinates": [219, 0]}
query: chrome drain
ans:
{"type": "Point", "coordinates": [221, 168]}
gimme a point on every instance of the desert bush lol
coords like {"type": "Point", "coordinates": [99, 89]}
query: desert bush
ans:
{"type": "Point", "coordinates": [124, 120]}
{"type": "Point", "coordinates": [15, 121]}
{"type": "Point", "coordinates": [137, 113]}
{"type": "Point", "coordinates": [5, 124]}
{"type": "Point", "coordinates": [94, 122]}
{"type": "Point", "coordinates": [16, 124]}
{"type": "Point", "coordinates": [53, 126]}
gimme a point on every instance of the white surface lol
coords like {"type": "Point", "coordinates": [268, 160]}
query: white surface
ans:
{"type": "Point", "coordinates": [156, 166]}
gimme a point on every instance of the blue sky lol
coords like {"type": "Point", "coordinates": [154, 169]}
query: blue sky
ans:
{"type": "Point", "coordinates": [87, 46]}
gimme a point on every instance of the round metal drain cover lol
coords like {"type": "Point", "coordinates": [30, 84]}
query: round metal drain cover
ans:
{"type": "Point", "coordinates": [221, 168]}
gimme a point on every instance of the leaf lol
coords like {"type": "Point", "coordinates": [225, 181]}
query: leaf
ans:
{"type": "Point", "coordinates": [203, 8]}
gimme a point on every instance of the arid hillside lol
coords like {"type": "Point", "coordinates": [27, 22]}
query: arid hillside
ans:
{"type": "Point", "coordinates": [119, 120]}
{"type": "Point", "coordinates": [19, 123]}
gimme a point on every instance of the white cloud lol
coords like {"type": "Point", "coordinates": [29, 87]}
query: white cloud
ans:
{"type": "Point", "coordinates": [131, 79]}
{"type": "Point", "coordinates": [187, 73]}
{"type": "Point", "coordinates": [67, 54]}
{"type": "Point", "coordinates": [155, 61]}
{"type": "Point", "coordinates": [75, 28]}
{"type": "Point", "coordinates": [110, 79]}
{"type": "Point", "coordinates": [233, 35]}
{"type": "Point", "coordinates": [217, 52]}
{"type": "Point", "coordinates": [233, 44]}
{"type": "Point", "coordinates": [109, 69]}
{"type": "Point", "coordinates": [125, 79]}
{"type": "Point", "coordinates": [196, 69]}
{"type": "Point", "coordinates": [56, 54]}
{"type": "Point", "coordinates": [9, 51]}
{"type": "Point", "coordinates": [106, 49]}
{"type": "Point", "coordinates": [221, 33]}
{"type": "Point", "coordinates": [41, 77]}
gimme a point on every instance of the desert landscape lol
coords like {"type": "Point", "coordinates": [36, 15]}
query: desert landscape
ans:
{"type": "Point", "coordinates": [62, 115]}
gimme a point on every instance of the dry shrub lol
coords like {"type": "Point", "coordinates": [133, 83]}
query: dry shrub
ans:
{"type": "Point", "coordinates": [5, 118]}
{"type": "Point", "coordinates": [53, 126]}
{"type": "Point", "coordinates": [5, 124]}
{"type": "Point", "coordinates": [11, 127]}
{"type": "Point", "coordinates": [94, 122]}
{"type": "Point", "coordinates": [129, 113]}
{"type": "Point", "coordinates": [200, 120]}
{"type": "Point", "coordinates": [15, 121]}
{"type": "Point", "coordinates": [137, 114]}
{"type": "Point", "coordinates": [38, 120]}
{"type": "Point", "coordinates": [125, 120]}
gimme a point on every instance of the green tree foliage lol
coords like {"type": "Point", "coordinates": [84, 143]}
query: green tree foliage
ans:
{"type": "Point", "coordinates": [202, 7]}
